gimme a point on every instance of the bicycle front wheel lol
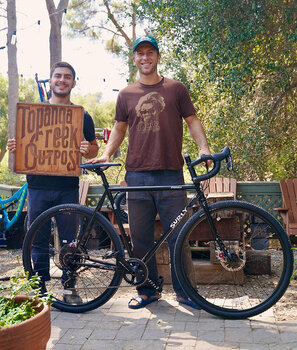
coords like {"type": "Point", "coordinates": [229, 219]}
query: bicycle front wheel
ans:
{"type": "Point", "coordinates": [80, 277]}
{"type": "Point", "coordinates": [261, 262]}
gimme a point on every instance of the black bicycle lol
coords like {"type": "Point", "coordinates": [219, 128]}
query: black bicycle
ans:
{"type": "Point", "coordinates": [232, 258]}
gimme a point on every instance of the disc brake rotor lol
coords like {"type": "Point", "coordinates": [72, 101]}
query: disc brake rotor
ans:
{"type": "Point", "coordinates": [238, 260]}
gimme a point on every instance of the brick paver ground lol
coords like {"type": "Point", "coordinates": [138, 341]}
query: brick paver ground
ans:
{"type": "Point", "coordinates": [166, 325]}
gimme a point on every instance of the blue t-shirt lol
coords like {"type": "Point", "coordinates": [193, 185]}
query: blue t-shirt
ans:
{"type": "Point", "coordinates": [58, 183]}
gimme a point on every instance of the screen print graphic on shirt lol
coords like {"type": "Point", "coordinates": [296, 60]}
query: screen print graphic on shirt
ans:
{"type": "Point", "coordinates": [148, 109]}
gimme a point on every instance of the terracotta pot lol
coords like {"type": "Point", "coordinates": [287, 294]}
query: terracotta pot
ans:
{"type": "Point", "coordinates": [32, 334]}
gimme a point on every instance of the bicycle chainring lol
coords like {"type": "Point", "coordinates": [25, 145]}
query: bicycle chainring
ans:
{"type": "Point", "coordinates": [140, 272]}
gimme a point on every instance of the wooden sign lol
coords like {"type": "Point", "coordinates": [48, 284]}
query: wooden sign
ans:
{"type": "Point", "coordinates": [48, 139]}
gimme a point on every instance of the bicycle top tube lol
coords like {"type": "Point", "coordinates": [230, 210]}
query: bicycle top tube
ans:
{"type": "Point", "coordinates": [216, 158]}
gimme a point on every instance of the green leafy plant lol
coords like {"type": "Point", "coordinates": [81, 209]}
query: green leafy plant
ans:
{"type": "Point", "coordinates": [19, 284]}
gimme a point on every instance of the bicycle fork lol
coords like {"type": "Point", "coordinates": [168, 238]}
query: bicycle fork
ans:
{"type": "Point", "coordinates": [213, 229]}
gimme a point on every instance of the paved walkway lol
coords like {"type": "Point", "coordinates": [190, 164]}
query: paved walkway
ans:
{"type": "Point", "coordinates": [166, 325]}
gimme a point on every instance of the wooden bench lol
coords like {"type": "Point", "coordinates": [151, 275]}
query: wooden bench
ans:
{"type": "Point", "coordinates": [83, 191]}
{"type": "Point", "coordinates": [289, 211]}
{"type": "Point", "coordinates": [220, 188]}
{"type": "Point", "coordinates": [112, 219]}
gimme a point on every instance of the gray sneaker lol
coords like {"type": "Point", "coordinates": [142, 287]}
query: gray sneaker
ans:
{"type": "Point", "coordinates": [71, 297]}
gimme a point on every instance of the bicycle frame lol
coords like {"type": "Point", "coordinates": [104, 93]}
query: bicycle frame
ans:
{"type": "Point", "coordinates": [245, 279]}
{"type": "Point", "coordinates": [18, 197]}
{"type": "Point", "coordinates": [108, 193]}
{"type": "Point", "coordinates": [198, 196]}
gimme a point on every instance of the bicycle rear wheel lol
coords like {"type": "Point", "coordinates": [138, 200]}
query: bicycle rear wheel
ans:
{"type": "Point", "coordinates": [81, 278]}
{"type": "Point", "coordinates": [261, 269]}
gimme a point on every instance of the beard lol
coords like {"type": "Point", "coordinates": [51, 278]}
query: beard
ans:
{"type": "Point", "coordinates": [60, 94]}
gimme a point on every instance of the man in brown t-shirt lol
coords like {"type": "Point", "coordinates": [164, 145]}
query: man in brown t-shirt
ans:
{"type": "Point", "coordinates": [153, 108]}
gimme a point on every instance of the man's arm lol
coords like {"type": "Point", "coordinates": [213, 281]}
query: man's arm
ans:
{"type": "Point", "coordinates": [116, 138]}
{"type": "Point", "coordinates": [197, 132]}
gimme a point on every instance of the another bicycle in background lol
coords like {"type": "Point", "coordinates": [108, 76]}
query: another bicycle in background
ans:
{"type": "Point", "coordinates": [9, 218]}
{"type": "Point", "coordinates": [217, 261]}
{"type": "Point", "coordinates": [12, 231]}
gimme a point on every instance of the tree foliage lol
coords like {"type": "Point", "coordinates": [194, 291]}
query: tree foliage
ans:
{"type": "Point", "coordinates": [102, 113]}
{"type": "Point", "coordinates": [113, 22]}
{"type": "Point", "coordinates": [238, 58]}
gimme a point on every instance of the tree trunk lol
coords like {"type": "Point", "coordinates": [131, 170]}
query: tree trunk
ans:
{"type": "Point", "coordinates": [13, 77]}
{"type": "Point", "coordinates": [55, 38]}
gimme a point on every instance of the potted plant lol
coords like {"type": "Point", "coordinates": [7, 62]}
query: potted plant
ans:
{"type": "Point", "coordinates": [25, 321]}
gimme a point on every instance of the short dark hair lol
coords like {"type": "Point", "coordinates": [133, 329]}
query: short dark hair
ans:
{"type": "Point", "coordinates": [63, 65]}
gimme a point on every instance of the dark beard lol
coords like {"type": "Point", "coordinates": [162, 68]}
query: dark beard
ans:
{"type": "Point", "coordinates": [59, 94]}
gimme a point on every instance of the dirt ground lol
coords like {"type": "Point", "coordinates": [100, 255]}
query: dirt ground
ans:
{"type": "Point", "coordinates": [284, 310]}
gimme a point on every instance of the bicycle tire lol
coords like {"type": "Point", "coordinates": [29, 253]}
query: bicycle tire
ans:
{"type": "Point", "coordinates": [26, 224]}
{"type": "Point", "coordinates": [121, 205]}
{"type": "Point", "coordinates": [248, 286]}
{"type": "Point", "coordinates": [88, 286]}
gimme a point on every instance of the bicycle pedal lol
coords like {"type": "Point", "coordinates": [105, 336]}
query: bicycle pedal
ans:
{"type": "Point", "coordinates": [160, 283]}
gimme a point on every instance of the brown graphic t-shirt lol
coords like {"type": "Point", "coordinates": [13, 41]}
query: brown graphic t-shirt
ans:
{"type": "Point", "coordinates": [155, 115]}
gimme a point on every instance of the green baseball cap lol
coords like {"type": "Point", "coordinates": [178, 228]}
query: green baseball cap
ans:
{"type": "Point", "coordinates": [146, 39]}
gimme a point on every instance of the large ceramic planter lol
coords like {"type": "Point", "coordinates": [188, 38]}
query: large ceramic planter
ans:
{"type": "Point", "coordinates": [32, 334]}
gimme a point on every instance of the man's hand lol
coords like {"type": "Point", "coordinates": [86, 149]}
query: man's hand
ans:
{"type": "Point", "coordinates": [102, 159]}
{"type": "Point", "coordinates": [11, 145]}
{"type": "Point", "coordinates": [205, 151]}
{"type": "Point", "coordinates": [89, 149]}
{"type": "Point", "coordinates": [84, 147]}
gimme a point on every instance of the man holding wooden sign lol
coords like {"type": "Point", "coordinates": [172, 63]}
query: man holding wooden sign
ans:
{"type": "Point", "coordinates": [54, 142]}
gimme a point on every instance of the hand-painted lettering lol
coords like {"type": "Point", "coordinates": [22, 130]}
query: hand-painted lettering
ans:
{"type": "Point", "coordinates": [49, 138]}
{"type": "Point", "coordinates": [73, 137]}
{"type": "Point", "coordinates": [57, 136]}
